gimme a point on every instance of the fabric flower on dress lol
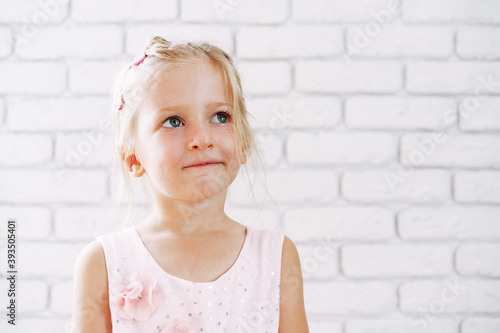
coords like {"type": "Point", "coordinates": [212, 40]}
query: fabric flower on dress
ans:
{"type": "Point", "coordinates": [179, 325]}
{"type": "Point", "coordinates": [137, 298]}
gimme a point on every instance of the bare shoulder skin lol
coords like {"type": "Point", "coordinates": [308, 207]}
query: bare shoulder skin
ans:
{"type": "Point", "coordinates": [90, 292]}
{"type": "Point", "coordinates": [292, 310]}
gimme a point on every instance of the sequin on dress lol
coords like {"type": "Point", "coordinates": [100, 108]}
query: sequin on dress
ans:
{"type": "Point", "coordinates": [145, 298]}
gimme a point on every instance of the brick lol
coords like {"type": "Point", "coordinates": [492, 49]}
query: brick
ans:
{"type": "Point", "coordinates": [443, 325]}
{"type": "Point", "coordinates": [290, 187]}
{"type": "Point", "coordinates": [270, 145]}
{"type": "Point", "coordinates": [480, 324]}
{"type": "Point", "coordinates": [393, 112]}
{"type": "Point", "coordinates": [84, 149]}
{"type": "Point", "coordinates": [339, 223]}
{"type": "Point", "coordinates": [32, 222]}
{"type": "Point", "coordinates": [137, 35]}
{"type": "Point", "coordinates": [455, 150]}
{"type": "Point", "coordinates": [32, 77]}
{"type": "Point", "coordinates": [346, 297]}
{"type": "Point", "coordinates": [84, 223]}
{"type": "Point", "coordinates": [25, 149]}
{"type": "Point", "coordinates": [345, 11]}
{"type": "Point", "coordinates": [477, 186]}
{"type": "Point", "coordinates": [56, 185]}
{"type": "Point", "coordinates": [479, 259]}
{"type": "Point", "coordinates": [225, 11]}
{"type": "Point", "coordinates": [45, 259]}
{"type": "Point", "coordinates": [60, 114]}
{"type": "Point", "coordinates": [266, 219]}
{"type": "Point", "coordinates": [118, 190]}
{"type": "Point", "coordinates": [61, 300]}
{"type": "Point", "coordinates": [116, 218]}
{"type": "Point", "coordinates": [419, 186]}
{"type": "Point", "coordinates": [321, 326]}
{"type": "Point", "coordinates": [343, 77]}
{"type": "Point", "coordinates": [93, 77]}
{"type": "Point", "coordinates": [397, 41]}
{"type": "Point", "coordinates": [289, 41]}
{"type": "Point", "coordinates": [453, 77]}
{"type": "Point", "coordinates": [450, 295]}
{"type": "Point", "coordinates": [2, 114]}
{"type": "Point", "coordinates": [91, 42]}
{"type": "Point", "coordinates": [38, 324]}
{"type": "Point", "coordinates": [32, 294]}
{"type": "Point", "coordinates": [479, 114]}
{"type": "Point", "coordinates": [478, 43]}
{"type": "Point", "coordinates": [265, 77]}
{"type": "Point", "coordinates": [482, 11]}
{"type": "Point", "coordinates": [461, 223]}
{"type": "Point", "coordinates": [396, 260]}
{"type": "Point", "coordinates": [33, 14]}
{"type": "Point", "coordinates": [91, 11]}
{"type": "Point", "coordinates": [6, 42]}
{"type": "Point", "coordinates": [340, 148]}
{"type": "Point", "coordinates": [278, 112]}
{"type": "Point", "coordinates": [318, 262]}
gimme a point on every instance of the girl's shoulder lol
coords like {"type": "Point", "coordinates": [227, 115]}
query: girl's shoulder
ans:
{"type": "Point", "coordinates": [115, 238]}
{"type": "Point", "coordinates": [266, 243]}
{"type": "Point", "coordinates": [116, 233]}
{"type": "Point", "coordinates": [90, 281]}
{"type": "Point", "coordinates": [117, 244]}
{"type": "Point", "coordinates": [266, 235]}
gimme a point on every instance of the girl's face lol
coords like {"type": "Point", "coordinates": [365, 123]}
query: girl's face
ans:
{"type": "Point", "coordinates": [188, 121]}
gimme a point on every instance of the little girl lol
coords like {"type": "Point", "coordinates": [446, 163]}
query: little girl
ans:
{"type": "Point", "coordinates": [180, 123]}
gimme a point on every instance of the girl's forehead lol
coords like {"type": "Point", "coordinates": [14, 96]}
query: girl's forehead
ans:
{"type": "Point", "coordinates": [193, 68]}
{"type": "Point", "coordinates": [189, 82]}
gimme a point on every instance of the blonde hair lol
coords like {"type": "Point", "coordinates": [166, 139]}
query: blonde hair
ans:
{"type": "Point", "coordinates": [135, 82]}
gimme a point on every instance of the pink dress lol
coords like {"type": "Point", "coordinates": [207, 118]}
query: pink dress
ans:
{"type": "Point", "coordinates": [145, 298]}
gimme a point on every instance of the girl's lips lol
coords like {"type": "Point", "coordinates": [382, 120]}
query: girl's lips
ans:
{"type": "Point", "coordinates": [203, 165]}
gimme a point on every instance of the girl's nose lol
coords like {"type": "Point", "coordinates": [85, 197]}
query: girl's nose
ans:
{"type": "Point", "coordinates": [200, 137]}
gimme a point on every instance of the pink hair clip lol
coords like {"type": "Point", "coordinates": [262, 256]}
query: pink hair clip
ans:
{"type": "Point", "coordinates": [121, 105]}
{"type": "Point", "coordinates": [179, 42]}
{"type": "Point", "coordinates": [139, 58]}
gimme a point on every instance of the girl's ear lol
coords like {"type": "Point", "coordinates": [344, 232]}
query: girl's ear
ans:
{"type": "Point", "coordinates": [133, 164]}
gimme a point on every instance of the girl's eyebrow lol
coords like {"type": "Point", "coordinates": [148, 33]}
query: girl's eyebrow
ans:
{"type": "Point", "coordinates": [181, 107]}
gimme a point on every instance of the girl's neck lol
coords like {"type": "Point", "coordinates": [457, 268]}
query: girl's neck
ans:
{"type": "Point", "coordinates": [188, 218]}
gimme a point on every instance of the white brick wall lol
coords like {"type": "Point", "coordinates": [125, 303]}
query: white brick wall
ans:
{"type": "Point", "coordinates": [396, 260]}
{"type": "Point", "coordinates": [339, 298]}
{"type": "Point", "coordinates": [477, 186]}
{"type": "Point", "coordinates": [253, 12]}
{"type": "Point", "coordinates": [401, 325]}
{"type": "Point", "coordinates": [32, 78]}
{"type": "Point", "coordinates": [379, 122]}
{"type": "Point", "coordinates": [393, 112]}
{"type": "Point", "coordinates": [471, 47]}
{"type": "Point", "coordinates": [447, 11]}
{"type": "Point", "coordinates": [289, 41]}
{"type": "Point", "coordinates": [74, 42]}
{"type": "Point", "coordinates": [479, 259]}
{"type": "Point", "coordinates": [59, 114]}
{"type": "Point", "coordinates": [399, 40]}
{"type": "Point", "coordinates": [454, 77]}
{"type": "Point", "coordinates": [453, 295]}
{"type": "Point", "coordinates": [340, 77]}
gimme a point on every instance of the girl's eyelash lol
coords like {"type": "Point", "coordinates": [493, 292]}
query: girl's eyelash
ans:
{"type": "Point", "coordinates": [225, 113]}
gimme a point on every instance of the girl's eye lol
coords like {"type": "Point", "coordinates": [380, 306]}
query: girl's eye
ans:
{"type": "Point", "coordinates": [174, 121]}
{"type": "Point", "coordinates": [221, 116]}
